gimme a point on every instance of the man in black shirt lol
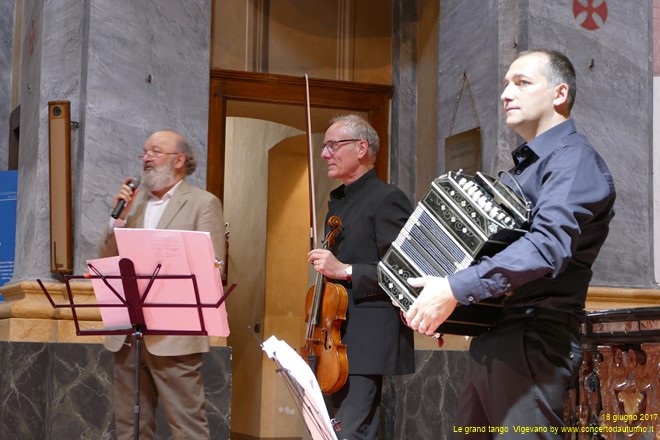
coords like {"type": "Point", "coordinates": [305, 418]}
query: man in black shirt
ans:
{"type": "Point", "coordinates": [372, 212]}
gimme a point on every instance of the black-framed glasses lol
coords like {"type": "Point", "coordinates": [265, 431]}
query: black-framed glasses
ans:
{"type": "Point", "coordinates": [333, 146]}
{"type": "Point", "coordinates": [154, 155]}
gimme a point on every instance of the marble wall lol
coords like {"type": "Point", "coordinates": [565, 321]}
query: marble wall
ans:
{"type": "Point", "coordinates": [147, 68]}
{"type": "Point", "coordinates": [656, 132]}
{"type": "Point", "coordinates": [63, 391]}
{"type": "Point", "coordinates": [128, 69]}
{"type": "Point", "coordinates": [422, 405]}
{"type": "Point", "coordinates": [32, 227]}
{"type": "Point", "coordinates": [403, 155]}
{"type": "Point", "coordinates": [613, 104]}
{"type": "Point", "coordinates": [6, 42]}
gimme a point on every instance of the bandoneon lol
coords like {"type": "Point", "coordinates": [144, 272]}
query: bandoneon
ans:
{"type": "Point", "coordinates": [460, 219]}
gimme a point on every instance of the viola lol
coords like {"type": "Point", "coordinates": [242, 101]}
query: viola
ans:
{"type": "Point", "coordinates": [326, 304]}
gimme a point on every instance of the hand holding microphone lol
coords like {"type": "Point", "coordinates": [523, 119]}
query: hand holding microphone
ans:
{"type": "Point", "coordinates": [124, 198]}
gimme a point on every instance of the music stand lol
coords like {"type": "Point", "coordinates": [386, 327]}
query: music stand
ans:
{"type": "Point", "coordinates": [303, 387]}
{"type": "Point", "coordinates": [135, 304]}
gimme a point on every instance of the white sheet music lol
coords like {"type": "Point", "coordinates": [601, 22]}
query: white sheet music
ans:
{"type": "Point", "coordinates": [313, 408]}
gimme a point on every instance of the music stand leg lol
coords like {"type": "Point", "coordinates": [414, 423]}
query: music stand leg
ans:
{"type": "Point", "coordinates": [138, 360]}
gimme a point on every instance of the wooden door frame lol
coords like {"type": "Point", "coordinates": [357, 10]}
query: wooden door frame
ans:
{"type": "Point", "coordinates": [226, 85]}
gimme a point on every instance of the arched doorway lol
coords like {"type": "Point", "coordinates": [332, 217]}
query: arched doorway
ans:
{"type": "Point", "coordinates": [261, 119]}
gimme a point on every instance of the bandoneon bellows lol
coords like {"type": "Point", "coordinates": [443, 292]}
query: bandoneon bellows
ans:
{"type": "Point", "coordinates": [460, 219]}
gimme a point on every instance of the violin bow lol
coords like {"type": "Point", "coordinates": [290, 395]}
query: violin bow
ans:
{"type": "Point", "coordinates": [310, 170]}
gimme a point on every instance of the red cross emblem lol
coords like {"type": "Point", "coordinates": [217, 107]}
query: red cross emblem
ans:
{"type": "Point", "coordinates": [591, 14]}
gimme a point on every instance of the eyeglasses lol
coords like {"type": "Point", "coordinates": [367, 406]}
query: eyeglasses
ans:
{"type": "Point", "coordinates": [333, 146]}
{"type": "Point", "coordinates": [154, 155]}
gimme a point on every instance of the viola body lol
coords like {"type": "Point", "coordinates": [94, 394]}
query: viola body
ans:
{"type": "Point", "coordinates": [323, 351]}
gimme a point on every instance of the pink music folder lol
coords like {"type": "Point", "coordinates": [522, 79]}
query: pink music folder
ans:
{"type": "Point", "coordinates": [114, 318]}
{"type": "Point", "coordinates": [179, 253]}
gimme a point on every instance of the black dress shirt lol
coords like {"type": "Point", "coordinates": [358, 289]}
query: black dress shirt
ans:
{"type": "Point", "coordinates": [572, 196]}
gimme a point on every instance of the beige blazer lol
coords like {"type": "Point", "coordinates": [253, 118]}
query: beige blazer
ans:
{"type": "Point", "coordinates": [189, 209]}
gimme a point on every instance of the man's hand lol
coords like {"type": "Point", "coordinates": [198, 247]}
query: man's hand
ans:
{"type": "Point", "coordinates": [433, 306]}
{"type": "Point", "coordinates": [327, 264]}
{"type": "Point", "coordinates": [128, 194]}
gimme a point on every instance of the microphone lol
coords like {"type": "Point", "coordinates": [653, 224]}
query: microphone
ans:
{"type": "Point", "coordinates": [133, 185]}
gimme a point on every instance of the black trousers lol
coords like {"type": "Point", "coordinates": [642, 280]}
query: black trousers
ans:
{"type": "Point", "coordinates": [517, 379]}
{"type": "Point", "coordinates": [356, 406]}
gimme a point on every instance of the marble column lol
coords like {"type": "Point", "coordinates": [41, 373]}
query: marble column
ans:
{"type": "Point", "coordinates": [612, 108]}
{"type": "Point", "coordinates": [656, 134]}
{"type": "Point", "coordinates": [404, 104]}
{"type": "Point", "coordinates": [127, 68]}
{"type": "Point", "coordinates": [6, 44]}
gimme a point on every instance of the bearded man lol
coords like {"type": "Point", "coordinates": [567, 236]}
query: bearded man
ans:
{"type": "Point", "coordinates": [170, 365]}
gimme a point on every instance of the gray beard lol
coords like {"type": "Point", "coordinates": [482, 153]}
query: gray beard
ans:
{"type": "Point", "coordinates": [157, 179]}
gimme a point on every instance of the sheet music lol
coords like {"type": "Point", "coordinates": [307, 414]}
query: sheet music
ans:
{"type": "Point", "coordinates": [178, 253]}
{"type": "Point", "coordinates": [313, 407]}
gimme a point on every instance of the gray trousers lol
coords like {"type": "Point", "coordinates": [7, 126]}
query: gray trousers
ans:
{"type": "Point", "coordinates": [174, 381]}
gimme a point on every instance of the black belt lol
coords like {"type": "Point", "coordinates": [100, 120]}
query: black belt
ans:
{"type": "Point", "coordinates": [563, 318]}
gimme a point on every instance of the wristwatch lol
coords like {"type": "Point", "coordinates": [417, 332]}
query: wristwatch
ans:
{"type": "Point", "coordinates": [348, 270]}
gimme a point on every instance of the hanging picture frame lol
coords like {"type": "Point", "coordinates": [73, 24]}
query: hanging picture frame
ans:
{"type": "Point", "coordinates": [463, 151]}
